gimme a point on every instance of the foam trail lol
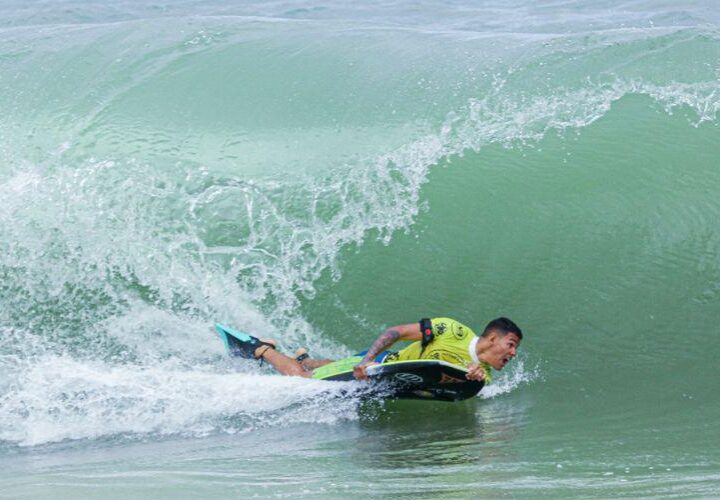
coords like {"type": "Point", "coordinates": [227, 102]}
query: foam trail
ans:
{"type": "Point", "coordinates": [55, 398]}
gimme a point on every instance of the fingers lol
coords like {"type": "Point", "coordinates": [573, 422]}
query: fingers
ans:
{"type": "Point", "coordinates": [475, 373]}
{"type": "Point", "coordinates": [359, 372]}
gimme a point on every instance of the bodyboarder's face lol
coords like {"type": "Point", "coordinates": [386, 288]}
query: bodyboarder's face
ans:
{"type": "Point", "coordinates": [502, 349]}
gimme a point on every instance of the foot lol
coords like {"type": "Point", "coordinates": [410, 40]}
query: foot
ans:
{"type": "Point", "coordinates": [250, 347]}
{"type": "Point", "coordinates": [265, 344]}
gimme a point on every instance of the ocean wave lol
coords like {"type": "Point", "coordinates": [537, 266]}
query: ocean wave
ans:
{"type": "Point", "coordinates": [218, 169]}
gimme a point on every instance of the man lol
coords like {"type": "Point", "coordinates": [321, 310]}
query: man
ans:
{"type": "Point", "coordinates": [440, 338]}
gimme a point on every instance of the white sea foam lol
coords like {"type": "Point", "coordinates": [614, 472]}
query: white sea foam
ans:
{"type": "Point", "coordinates": [507, 381]}
{"type": "Point", "coordinates": [53, 398]}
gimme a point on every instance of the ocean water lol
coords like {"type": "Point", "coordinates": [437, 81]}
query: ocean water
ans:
{"type": "Point", "coordinates": [318, 171]}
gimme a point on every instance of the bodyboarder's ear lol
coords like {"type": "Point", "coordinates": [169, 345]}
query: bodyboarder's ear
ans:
{"type": "Point", "coordinates": [492, 336]}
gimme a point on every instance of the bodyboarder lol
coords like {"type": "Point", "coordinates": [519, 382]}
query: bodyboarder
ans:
{"type": "Point", "coordinates": [441, 339]}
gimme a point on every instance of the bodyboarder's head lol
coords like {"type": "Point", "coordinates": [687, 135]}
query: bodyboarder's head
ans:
{"type": "Point", "coordinates": [499, 342]}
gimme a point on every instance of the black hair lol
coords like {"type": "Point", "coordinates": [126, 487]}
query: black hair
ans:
{"type": "Point", "coordinates": [503, 326]}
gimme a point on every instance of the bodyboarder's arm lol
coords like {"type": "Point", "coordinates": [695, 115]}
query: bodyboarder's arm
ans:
{"type": "Point", "coordinates": [409, 331]}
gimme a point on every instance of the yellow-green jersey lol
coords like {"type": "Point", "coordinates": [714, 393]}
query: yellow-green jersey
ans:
{"type": "Point", "coordinates": [451, 342]}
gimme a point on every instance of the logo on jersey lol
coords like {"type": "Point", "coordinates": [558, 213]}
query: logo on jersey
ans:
{"type": "Point", "coordinates": [447, 356]}
{"type": "Point", "coordinates": [459, 331]}
{"type": "Point", "coordinates": [440, 328]}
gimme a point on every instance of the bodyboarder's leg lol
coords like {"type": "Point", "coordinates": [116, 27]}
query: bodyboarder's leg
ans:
{"type": "Point", "coordinates": [302, 357]}
{"type": "Point", "coordinates": [284, 364]}
{"type": "Point", "coordinates": [311, 364]}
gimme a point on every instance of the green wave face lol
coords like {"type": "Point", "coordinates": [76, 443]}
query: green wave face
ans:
{"type": "Point", "coordinates": [318, 173]}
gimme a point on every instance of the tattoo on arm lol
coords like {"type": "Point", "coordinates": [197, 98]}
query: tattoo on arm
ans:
{"type": "Point", "coordinates": [385, 340]}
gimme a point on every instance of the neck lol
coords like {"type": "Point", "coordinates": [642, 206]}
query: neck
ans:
{"type": "Point", "coordinates": [481, 349]}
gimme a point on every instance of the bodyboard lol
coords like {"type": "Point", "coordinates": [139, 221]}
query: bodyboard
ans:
{"type": "Point", "coordinates": [417, 379]}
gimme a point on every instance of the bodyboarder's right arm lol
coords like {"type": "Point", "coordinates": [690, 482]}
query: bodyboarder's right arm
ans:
{"type": "Point", "coordinates": [409, 331]}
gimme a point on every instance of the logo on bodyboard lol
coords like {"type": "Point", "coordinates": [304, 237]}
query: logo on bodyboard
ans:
{"type": "Point", "coordinates": [447, 379]}
{"type": "Point", "coordinates": [408, 378]}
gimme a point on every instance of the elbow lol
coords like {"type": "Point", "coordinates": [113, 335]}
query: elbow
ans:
{"type": "Point", "coordinates": [393, 334]}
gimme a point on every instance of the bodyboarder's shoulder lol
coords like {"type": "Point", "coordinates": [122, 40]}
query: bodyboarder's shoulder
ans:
{"type": "Point", "coordinates": [448, 325]}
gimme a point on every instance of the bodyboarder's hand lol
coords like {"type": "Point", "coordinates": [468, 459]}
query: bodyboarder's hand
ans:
{"type": "Point", "coordinates": [359, 370]}
{"type": "Point", "coordinates": [475, 372]}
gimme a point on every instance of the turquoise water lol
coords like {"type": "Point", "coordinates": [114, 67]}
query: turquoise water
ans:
{"type": "Point", "coordinates": [318, 172]}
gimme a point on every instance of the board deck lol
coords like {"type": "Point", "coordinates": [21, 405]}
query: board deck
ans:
{"type": "Point", "coordinates": [419, 379]}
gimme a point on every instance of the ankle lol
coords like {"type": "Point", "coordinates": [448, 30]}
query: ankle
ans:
{"type": "Point", "coordinates": [260, 351]}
